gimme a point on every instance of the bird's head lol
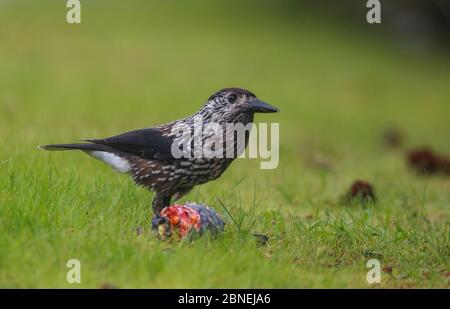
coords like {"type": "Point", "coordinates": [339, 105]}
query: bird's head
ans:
{"type": "Point", "coordinates": [161, 226]}
{"type": "Point", "coordinates": [236, 104]}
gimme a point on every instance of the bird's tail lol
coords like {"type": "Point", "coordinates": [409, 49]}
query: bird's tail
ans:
{"type": "Point", "coordinates": [103, 153]}
{"type": "Point", "coordinates": [79, 146]}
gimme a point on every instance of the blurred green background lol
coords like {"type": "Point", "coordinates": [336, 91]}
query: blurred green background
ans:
{"type": "Point", "coordinates": [339, 83]}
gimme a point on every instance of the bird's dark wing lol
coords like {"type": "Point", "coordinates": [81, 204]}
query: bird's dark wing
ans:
{"type": "Point", "coordinates": [146, 143]}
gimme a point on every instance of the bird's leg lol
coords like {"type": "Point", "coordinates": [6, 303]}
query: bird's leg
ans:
{"type": "Point", "coordinates": [159, 202]}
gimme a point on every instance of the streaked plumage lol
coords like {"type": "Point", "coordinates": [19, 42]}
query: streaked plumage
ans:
{"type": "Point", "coordinates": [146, 154]}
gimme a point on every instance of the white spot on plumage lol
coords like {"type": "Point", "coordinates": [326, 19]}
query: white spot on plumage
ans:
{"type": "Point", "coordinates": [119, 164]}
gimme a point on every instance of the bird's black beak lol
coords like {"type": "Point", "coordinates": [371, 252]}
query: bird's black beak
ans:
{"type": "Point", "coordinates": [257, 106]}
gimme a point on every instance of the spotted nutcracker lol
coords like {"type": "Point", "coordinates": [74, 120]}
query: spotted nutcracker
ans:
{"type": "Point", "coordinates": [147, 154]}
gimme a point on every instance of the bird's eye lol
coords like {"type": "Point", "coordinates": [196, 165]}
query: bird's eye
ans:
{"type": "Point", "coordinates": [232, 98]}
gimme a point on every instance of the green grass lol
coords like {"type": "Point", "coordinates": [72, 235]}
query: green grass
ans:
{"type": "Point", "coordinates": [142, 64]}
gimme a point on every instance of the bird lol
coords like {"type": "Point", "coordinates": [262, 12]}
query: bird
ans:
{"type": "Point", "coordinates": [148, 154]}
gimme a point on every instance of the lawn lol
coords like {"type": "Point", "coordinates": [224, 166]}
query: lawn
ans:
{"type": "Point", "coordinates": [134, 65]}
